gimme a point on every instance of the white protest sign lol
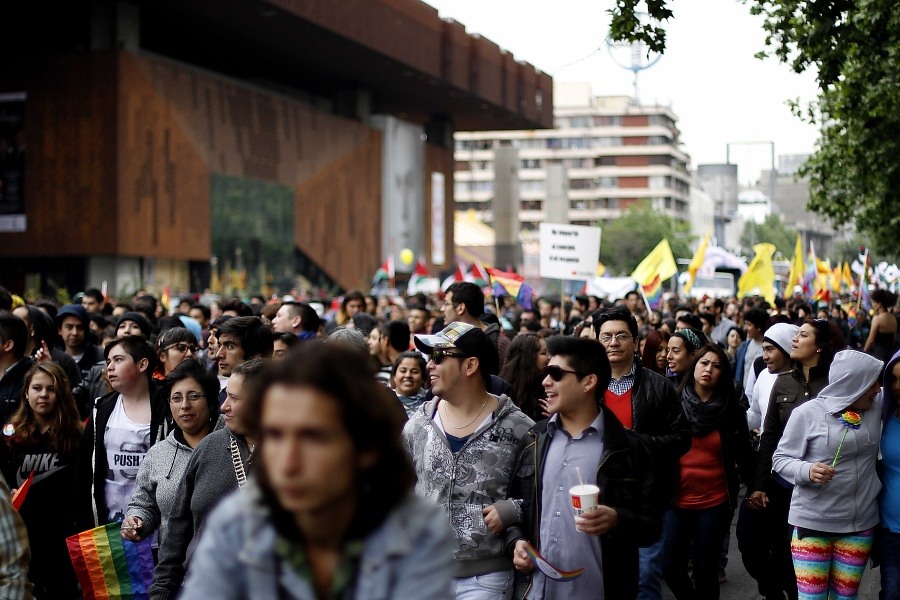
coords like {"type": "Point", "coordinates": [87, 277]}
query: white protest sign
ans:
{"type": "Point", "coordinates": [569, 251]}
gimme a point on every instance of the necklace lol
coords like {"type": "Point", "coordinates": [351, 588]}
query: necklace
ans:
{"type": "Point", "coordinates": [450, 423]}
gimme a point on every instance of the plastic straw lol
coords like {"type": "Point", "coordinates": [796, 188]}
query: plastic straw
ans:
{"type": "Point", "coordinates": [580, 479]}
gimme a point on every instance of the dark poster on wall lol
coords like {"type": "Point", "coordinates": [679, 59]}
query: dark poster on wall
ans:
{"type": "Point", "coordinates": [12, 162]}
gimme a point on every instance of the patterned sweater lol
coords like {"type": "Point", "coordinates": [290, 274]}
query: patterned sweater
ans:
{"type": "Point", "coordinates": [466, 482]}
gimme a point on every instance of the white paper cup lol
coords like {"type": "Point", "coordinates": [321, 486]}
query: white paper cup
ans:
{"type": "Point", "coordinates": [584, 498]}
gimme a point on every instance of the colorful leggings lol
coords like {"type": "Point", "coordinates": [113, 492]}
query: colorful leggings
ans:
{"type": "Point", "coordinates": [830, 566]}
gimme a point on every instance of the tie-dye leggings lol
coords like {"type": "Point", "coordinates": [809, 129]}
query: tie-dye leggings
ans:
{"type": "Point", "coordinates": [830, 566]}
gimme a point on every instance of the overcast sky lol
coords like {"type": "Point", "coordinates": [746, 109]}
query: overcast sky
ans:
{"type": "Point", "coordinates": [708, 75]}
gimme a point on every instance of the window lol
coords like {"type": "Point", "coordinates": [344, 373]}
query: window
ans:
{"type": "Point", "coordinates": [607, 121]}
{"type": "Point", "coordinates": [606, 142]}
{"type": "Point", "coordinates": [607, 182]}
{"type": "Point", "coordinates": [584, 121]}
{"type": "Point", "coordinates": [657, 182]}
{"type": "Point", "coordinates": [580, 184]}
{"type": "Point", "coordinates": [659, 140]}
{"type": "Point", "coordinates": [605, 161]}
{"type": "Point", "coordinates": [532, 204]}
{"type": "Point", "coordinates": [575, 163]}
{"type": "Point", "coordinates": [530, 163]}
{"type": "Point", "coordinates": [531, 185]}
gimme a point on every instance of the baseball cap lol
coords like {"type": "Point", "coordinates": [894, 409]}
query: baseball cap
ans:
{"type": "Point", "coordinates": [468, 339]}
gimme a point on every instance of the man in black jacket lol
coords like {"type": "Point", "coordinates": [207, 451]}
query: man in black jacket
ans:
{"type": "Point", "coordinates": [583, 440]}
{"type": "Point", "coordinates": [13, 362]}
{"type": "Point", "coordinates": [646, 403]}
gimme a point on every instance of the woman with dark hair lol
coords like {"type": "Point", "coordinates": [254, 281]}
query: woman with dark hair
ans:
{"type": "Point", "coordinates": [192, 395]}
{"type": "Point", "coordinates": [524, 371]}
{"type": "Point", "coordinates": [653, 356]}
{"type": "Point", "coordinates": [408, 380]}
{"type": "Point", "coordinates": [42, 439]}
{"type": "Point", "coordinates": [733, 339]}
{"type": "Point", "coordinates": [680, 351]}
{"type": "Point", "coordinates": [720, 455]}
{"type": "Point", "coordinates": [812, 350]}
{"type": "Point", "coordinates": [881, 342]}
{"type": "Point", "coordinates": [331, 512]}
{"type": "Point", "coordinates": [174, 345]}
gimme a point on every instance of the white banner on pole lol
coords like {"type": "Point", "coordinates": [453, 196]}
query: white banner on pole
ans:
{"type": "Point", "coordinates": [569, 251]}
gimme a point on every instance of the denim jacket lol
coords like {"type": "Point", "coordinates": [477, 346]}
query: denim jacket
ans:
{"type": "Point", "coordinates": [410, 555]}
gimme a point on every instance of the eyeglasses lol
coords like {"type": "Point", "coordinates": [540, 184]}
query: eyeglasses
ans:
{"type": "Point", "coordinates": [606, 338]}
{"type": "Point", "coordinates": [438, 356]}
{"type": "Point", "coordinates": [191, 397]}
{"type": "Point", "coordinates": [183, 347]}
{"type": "Point", "coordinates": [557, 373]}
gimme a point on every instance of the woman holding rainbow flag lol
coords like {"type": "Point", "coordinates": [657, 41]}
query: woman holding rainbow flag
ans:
{"type": "Point", "coordinates": [828, 451]}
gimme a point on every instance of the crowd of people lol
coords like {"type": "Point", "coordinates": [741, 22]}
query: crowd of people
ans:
{"type": "Point", "coordinates": [452, 446]}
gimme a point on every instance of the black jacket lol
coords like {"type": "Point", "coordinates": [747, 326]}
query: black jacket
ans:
{"type": "Point", "coordinates": [790, 391]}
{"type": "Point", "coordinates": [657, 417]}
{"type": "Point", "coordinates": [11, 384]}
{"type": "Point", "coordinates": [92, 510]}
{"type": "Point", "coordinates": [625, 477]}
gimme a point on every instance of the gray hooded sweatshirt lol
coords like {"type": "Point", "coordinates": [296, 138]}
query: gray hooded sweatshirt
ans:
{"type": "Point", "coordinates": [848, 503]}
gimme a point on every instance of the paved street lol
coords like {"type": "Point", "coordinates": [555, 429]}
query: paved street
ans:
{"type": "Point", "coordinates": [740, 586]}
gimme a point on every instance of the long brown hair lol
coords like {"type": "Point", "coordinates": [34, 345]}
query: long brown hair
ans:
{"type": "Point", "coordinates": [65, 428]}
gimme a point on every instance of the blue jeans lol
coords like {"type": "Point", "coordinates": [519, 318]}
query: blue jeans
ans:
{"type": "Point", "coordinates": [705, 529]}
{"type": "Point", "coordinates": [889, 548]}
{"type": "Point", "coordinates": [490, 586]}
{"type": "Point", "coordinates": [650, 578]}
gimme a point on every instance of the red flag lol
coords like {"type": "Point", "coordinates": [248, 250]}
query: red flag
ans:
{"type": "Point", "coordinates": [19, 497]}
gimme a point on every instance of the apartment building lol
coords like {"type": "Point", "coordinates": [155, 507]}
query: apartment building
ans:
{"type": "Point", "coordinates": [615, 153]}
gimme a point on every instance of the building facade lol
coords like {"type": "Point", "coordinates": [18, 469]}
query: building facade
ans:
{"type": "Point", "coordinates": [615, 154]}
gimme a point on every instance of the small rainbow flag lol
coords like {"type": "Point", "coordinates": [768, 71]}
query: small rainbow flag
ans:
{"type": "Point", "coordinates": [549, 570]}
{"type": "Point", "coordinates": [109, 567]}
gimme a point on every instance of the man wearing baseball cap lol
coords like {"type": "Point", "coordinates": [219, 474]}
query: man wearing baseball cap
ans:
{"type": "Point", "coordinates": [463, 446]}
{"type": "Point", "coordinates": [72, 322]}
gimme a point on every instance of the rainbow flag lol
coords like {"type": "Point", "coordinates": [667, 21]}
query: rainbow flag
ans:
{"type": "Point", "coordinates": [109, 567]}
{"type": "Point", "coordinates": [511, 283]}
{"type": "Point", "coordinates": [549, 570]}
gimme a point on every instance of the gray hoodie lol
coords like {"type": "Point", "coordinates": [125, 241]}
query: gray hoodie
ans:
{"type": "Point", "coordinates": [157, 481]}
{"type": "Point", "coordinates": [848, 503]}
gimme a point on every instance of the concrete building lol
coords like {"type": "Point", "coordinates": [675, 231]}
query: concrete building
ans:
{"type": "Point", "coordinates": [614, 153]}
{"type": "Point", "coordinates": [720, 181]}
{"type": "Point", "coordinates": [185, 142]}
{"type": "Point", "coordinates": [791, 199]}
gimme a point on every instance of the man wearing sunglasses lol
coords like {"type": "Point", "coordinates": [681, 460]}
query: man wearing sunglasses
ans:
{"type": "Point", "coordinates": [582, 442]}
{"type": "Point", "coordinates": [647, 404]}
{"type": "Point", "coordinates": [463, 445]}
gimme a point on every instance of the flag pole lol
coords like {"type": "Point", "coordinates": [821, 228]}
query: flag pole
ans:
{"type": "Point", "coordinates": [562, 305]}
{"type": "Point", "coordinates": [644, 296]}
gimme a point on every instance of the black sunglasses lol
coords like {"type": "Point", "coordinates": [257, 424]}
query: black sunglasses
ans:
{"type": "Point", "coordinates": [557, 373]}
{"type": "Point", "coordinates": [438, 356]}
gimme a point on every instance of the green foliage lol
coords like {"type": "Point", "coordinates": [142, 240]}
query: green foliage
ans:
{"type": "Point", "coordinates": [627, 240]}
{"type": "Point", "coordinates": [772, 230]}
{"type": "Point", "coordinates": [626, 24]}
{"type": "Point", "coordinates": [854, 48]}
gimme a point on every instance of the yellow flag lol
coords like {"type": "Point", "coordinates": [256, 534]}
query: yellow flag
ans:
{"type": "Point", "coordinates": [696, 263]}
{"type": "Point", "coordinates": [760, 275]}
{"type": "Point", "coordinates": [658, 266]}
{"type": "Point", "coordinates": [601, 269]}
{"type": "Point", "coordinates": [798, 267]}
{"type": "Point", "coordinates": [847, 276]}
{"type": "Point", "coordinates": [836, 279]}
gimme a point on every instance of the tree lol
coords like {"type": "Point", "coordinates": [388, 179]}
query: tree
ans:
{"type": "Point", "coordinates": [854, 47]}
{"type": "Point", "coordinates": [627, 240]}
{"type": "Point", "coordinates": [772, 230]}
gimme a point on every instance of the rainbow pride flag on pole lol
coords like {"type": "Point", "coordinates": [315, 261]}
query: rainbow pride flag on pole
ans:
{"type": "Point", "coordinates": [109, 567]}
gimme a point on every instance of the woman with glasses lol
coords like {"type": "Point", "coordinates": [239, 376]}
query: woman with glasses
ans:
{"type": "Point", "coordinates": [709, 476]}
{"type": "Point", "coordinates": [173, 346]}
{"type": "Point", "coordinates": [192, 393]}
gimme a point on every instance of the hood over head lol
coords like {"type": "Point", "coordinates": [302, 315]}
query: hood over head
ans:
{"type": "Point", "coordinates": [851, 375]}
